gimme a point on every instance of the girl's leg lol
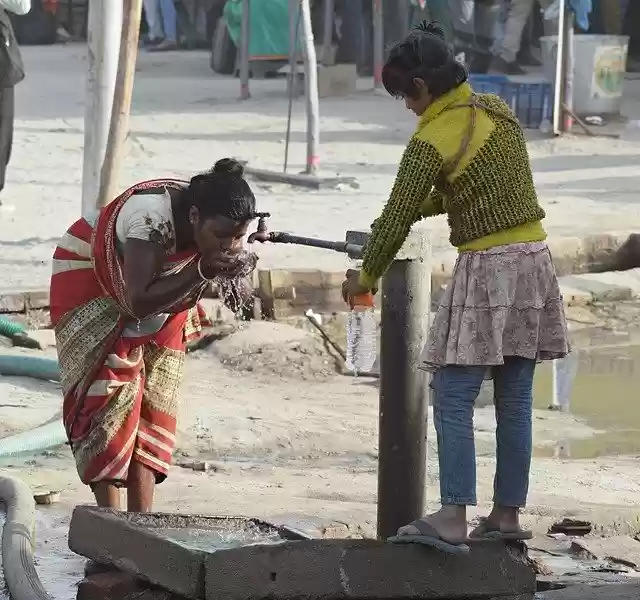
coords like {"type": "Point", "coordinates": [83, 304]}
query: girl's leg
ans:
{"type": "Point", "coordinates": [455, 391]}
{"type": "Point", "coordinates": [513, 387]}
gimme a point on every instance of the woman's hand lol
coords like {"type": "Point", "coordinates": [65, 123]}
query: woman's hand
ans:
{"type": "Point", "coordinates": [351, 286]}
{"type": "Point", "coordinates": [224, 265]}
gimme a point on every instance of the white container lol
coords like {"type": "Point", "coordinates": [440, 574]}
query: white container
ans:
{"type": "Point", "coordinates": [600, 67]}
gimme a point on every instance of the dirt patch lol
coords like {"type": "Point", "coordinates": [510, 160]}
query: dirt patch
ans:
{"type": "Point", "coordinates": [268, 348]}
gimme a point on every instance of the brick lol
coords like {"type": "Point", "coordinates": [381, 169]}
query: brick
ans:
{"type": "Point", "coordinates": [368, 570]}
{"type": "Point", "coordinates": [337, 80]}
{"type": "Point", "coordinates": [12, 302]}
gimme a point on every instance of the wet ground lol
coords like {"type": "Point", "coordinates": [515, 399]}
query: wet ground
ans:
{"type": "Point", "coordinates": [604, 393]}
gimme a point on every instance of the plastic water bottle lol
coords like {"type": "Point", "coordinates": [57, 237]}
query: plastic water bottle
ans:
{"type": "Point", "coordinates": [361, 335]}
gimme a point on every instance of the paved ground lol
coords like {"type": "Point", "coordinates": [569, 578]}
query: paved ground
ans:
{"type": "Point", "coordinates": [185, 118]}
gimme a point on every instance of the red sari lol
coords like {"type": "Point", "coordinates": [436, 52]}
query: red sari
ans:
{"type": "Point", "coordinates": [120, 386]}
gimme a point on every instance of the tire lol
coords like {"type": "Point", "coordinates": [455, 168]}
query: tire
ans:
{"type": "Point", "coordinates": [223, 50]}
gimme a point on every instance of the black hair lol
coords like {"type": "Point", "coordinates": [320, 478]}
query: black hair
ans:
{"type": "Point", "coordinates": [222, 191]}
{"type": "Point", "coordinates": [423, 54]}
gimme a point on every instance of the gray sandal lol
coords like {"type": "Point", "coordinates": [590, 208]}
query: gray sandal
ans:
{"type": "Point", "coordinates": [429, 537]}
{"type": "Point", "coordinates": [487, 531]}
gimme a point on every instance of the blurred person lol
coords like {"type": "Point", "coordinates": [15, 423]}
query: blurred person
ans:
{"type": "Point", "coordinates": [162, 23]}
{"type": "Point", "coordinates": [124, 301]}
{"type": "Point", "coordinates": [473, 23]}
{"type": "Point", "coordinates": [11, 73]}
{"type": "Point", "coordinates": [508, 36]}
{"type": "Point", "coordinates": [503, 311]}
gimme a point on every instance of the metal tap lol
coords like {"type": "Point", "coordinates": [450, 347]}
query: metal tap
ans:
{"type": "Point", "coordinates": [262, 234]}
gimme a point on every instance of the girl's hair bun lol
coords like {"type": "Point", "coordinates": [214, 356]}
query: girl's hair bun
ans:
{"type": "Point", "coordinates": [433, 28]}
{"type": "Point", "coordinates": [228, 166]}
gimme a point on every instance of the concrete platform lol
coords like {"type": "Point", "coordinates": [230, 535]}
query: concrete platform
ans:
{"type": "Point", "coordinates": [303, 569]}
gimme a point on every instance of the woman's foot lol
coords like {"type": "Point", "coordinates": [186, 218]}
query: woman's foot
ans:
{"type": "Point", "coordinates": [449, 523]}
{"type": "Point", "coordinates": [502, 523]}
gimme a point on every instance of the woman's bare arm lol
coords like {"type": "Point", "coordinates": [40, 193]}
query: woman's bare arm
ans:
{"type": "Point", "coordinates": [147, 292]}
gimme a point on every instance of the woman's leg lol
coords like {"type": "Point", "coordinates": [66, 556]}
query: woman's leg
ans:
{"type": "Point", "coordinates": [141, 485]}
{"type": "Point", "coordinates": [169, 20]}
{"type": "Point", "coordinates": [107, 495]}
{"type": "Point", "coordinates": [6, 131]}
{"type": "Point", "coordinates": [513, 388]}
{"type": "Point", "coordinates": [455, 391]}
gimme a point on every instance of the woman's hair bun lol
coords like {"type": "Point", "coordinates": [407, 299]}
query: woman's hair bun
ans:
{"type": "Point", "coordinates": [433, 28]}
{"type": "Point", "coordinates": [228, 166]}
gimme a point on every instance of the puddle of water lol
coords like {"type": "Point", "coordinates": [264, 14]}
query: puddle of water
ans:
{"type": "Point", "coordinates": [604, 393]}
{"type": "Point", "coordinates": [211, 540]}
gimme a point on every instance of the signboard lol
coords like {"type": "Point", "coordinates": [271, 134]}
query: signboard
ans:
{"type": "Point", "coordinates": [609, 66]}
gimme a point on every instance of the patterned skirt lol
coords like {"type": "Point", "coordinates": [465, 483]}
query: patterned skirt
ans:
{"type": "Point", "coordinates": [504, 301]}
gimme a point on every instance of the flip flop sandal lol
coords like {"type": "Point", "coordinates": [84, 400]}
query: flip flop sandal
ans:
{"type": "Point", "coordinates": [428, 537]}
{"type": "Point", "coordinates": [486, 531]}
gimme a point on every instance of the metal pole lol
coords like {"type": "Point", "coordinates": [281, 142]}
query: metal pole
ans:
{"type": "Point", "coordinates": [294, 22]}
{"type": "Point", "coordinates": [568, 68]}
{"type": "Point", "coordinates": [327, 44]}
{"type": "Point", "coordinates": [103, 37]}
{"type": "Point", "coordinates": [119, 125]}
{"type": "Point", "coordinates": [402, 434]}
{"type": "Point", "coordinates": [311, 90]}
{"type": "Point", "coordinates": [558, 88]}
{"type": "Point", "coordinates": [378, 44]}
{"type": "Point", "coordinates": [245, 35]}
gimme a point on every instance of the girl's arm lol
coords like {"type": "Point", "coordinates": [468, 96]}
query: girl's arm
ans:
{"type": "Point", "coordinates": [411, 199]}
{"type": "Point", "coordinates": [18, 7]}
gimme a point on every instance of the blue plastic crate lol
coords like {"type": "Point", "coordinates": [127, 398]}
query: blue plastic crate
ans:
{"type": "Point", "coordinates": [489, 84]}
{"type": "Point", "coordinates": [532, 103]}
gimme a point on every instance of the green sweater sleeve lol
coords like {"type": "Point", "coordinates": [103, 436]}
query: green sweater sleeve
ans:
{"type": "Point", "coordinates": [411, 199]}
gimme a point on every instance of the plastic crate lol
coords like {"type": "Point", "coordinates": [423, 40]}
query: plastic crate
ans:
{"type": "Point", "coordinates": [532, 103]}
{"type": "Point", "coordinates": [489, 84]}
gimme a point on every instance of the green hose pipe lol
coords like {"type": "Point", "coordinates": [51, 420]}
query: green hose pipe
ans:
{"type": "Point", "coordinates": [9, 328]}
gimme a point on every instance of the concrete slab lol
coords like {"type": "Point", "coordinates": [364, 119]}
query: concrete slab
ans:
{"type": "Point", "coordinates": [133, 543]}
{"type": "Point", "coordinates": [367, 569]}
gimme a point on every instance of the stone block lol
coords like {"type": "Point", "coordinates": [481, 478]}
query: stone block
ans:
{"type": "Point", "coordinates": [337, 80]}
{"type": "Point", "coordinates": [368, 570]}
{"type": "Point", "coordinates": [12, 302]}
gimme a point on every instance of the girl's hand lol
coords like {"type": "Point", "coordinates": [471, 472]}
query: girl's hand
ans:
{"type": "Point", "coordinates": [351, 286]}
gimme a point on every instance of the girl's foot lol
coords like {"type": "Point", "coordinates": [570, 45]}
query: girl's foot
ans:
{"type": "Point", "coordinates": [449, 523]}
{"type": "Point", "coordinates": [503, 523]}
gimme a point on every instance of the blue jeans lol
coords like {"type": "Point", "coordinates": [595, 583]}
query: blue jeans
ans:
{"type": "Point", "coordinates": [162, 19]}
{"type": "Point", "coordinates": [455, 391]}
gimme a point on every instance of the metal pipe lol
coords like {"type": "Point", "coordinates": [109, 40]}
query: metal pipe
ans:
{"type": "Point", "coordinates": [568, 68]}
{"type": "Point", "coordinates": [327, 42]}
{"type": "Point", "coordinates": [294, 28]}
{"type": "Point", "coordinates": [245, 35]}
{"type": "Point", "coordinates": [103, 39]}
{"type": "Point", "coordinates": [353, 250]}
{"type": "Point", "coordinates": [402, 437]}
{"type": "Point", "coordinates": [311, 89]}
{"type": "Point", "coordinates": [378, 44]}
{"type": "Point", "coordinates": [558, 87]}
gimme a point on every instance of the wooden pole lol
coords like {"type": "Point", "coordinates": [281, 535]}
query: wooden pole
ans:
{"type": "Point", "coordinates": [245, 36]}
{"type": "Point", "coordinates": [119, 128]}
{"type": "Point", "coordinates": [103, 38]}
{"type": "Point", "coordinates": [311, 89]}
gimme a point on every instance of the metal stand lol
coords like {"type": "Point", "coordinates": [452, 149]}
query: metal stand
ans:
{"type": "Point", "coordinates": [402, 437]}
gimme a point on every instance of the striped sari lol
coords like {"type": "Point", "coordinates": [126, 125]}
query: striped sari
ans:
{"type": "Point", "coordinates": [119, 375]}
